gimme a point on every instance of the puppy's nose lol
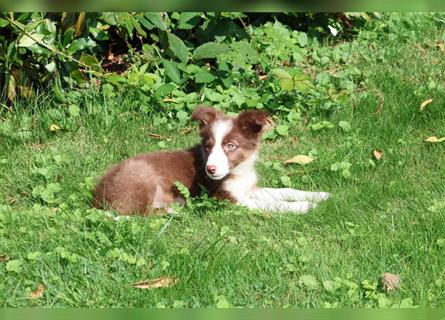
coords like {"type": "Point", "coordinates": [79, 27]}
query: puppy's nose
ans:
{"type": "Point", "coordinates": [211, 169]}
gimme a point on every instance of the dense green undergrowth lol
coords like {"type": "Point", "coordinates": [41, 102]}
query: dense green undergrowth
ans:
{"type": "Point", "coordinates": [359, 116]}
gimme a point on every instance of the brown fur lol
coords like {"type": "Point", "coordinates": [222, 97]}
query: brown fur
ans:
{"type": "Point", "coordinates": [146, 182]}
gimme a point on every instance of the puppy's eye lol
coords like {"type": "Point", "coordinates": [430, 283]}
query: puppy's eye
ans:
{"type": "Point", "coordinates": [230, 146]}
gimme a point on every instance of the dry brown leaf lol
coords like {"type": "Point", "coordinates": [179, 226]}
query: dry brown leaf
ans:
{"type": "Point", "coordinates": [54, 128]}
{"type": "Point", "coordinates": [158, 136]}
{"type": "Point", "coordinates": [382, 102]}
{"type": "Point", "coordinates": [38, 293]}
{"type": "Point", "coordinates": [269, 124]}
{"type": "Point", "coordinates": [378, 154]}
{"type": "Point", "coordinates": [170, 100]}
{"type": "Point", "coordinates": [162, 282]}
{"type": "Point", "coordinates": [262, 77]}
{"type": "Point", "coordinates": [390, 282]}
{"type": "Point", "coordinates": [4, 258]}
{"type": "Point", "coordinates": [434, 139]}
{"type": "Point", "coordinates": [300, 159]}
{"type": "Point", "coordinates": [440, 46]}
{"type": "Point", "coordinates": [425, 103]}
{"type": "Point", "coordinates": [155, 135]}
{"type": "Point", "coordinates": [185, 130]}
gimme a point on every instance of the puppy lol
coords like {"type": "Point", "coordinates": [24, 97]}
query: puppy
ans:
{"type": "Point", "coordinates": [223, 163]}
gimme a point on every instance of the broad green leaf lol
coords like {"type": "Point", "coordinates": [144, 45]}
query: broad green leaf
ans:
{"type": "Point", "coordinates": [3, 23]}
{"type": "Point", "coordinates": [98, 34]}
{"type": "Point", "coordinates": [238, 98]}
{"type": "Point", "coordinates": [222, 302]}
{"type": "Point", "coordinates": [246, 51]}
{"type": "Point", "coordinates": [172, 71]}
{"type": "Point", "coordinates": [302, 39]}
{"type": "Point", "coordinates": [309, 282]}
{"type": "Point", "coordinates": [282, 130]}
{"type": "Point", "coordinates": [182, 116]}
{"type": "Point", "coordinates": [344, 165]}
{"type": "Point", "coordinates": [346, 126]}
{"type": "Point", "coordinates": [149, 53]}
{"type": "Point", "coordinates": [68, 36]}
{"type": "Point", "coordinates": [286, 181]}
{"type": "Point", "coordinates": [26, 41]}
{"type": "Point", "coordinates": [115, 78]}
{"type": "Point", "coordinates": [286, 84]}
{"type": "Point", "coordinates": [406, 303]}
{"type": "Point", "coordinates": [178, 47]}
{"type": "Point", "coordinates": [54, 187]}
{"type": "Point", "coordinates": [204, 76]}
{"type": "Point", "coordinates": [323, 78]}
{"type": "Point", "coordinates": [321, 125]}
{"type": "Point", "coordinates": [109, 18]}
{"type": "Point", "coordinates": [284, 78]}
{"type": "Point", "coordinates": [33, 255]}
{"type": "Point", "coordinates": [281, 74]}
{"type": "Point", "coordinates": [210, 50]}
{"type": "Point", "coordinates": [164, 90]}
{"type": "Point", "coordinates": [90, 61]}
{"type": "Point", "coordinates": [77, 76]}
{"type": "Point", "coordinates": [14, 266]}
{"type": "Point", "coordinates": [302, 86]}
{"type": "Point", "coordinates": [80, 44]}
{"type": "Point", "coordinates": [126, 21]}
{"type": "Point", "coordinates": [302, 81]}
{"type": "Point", "coordinates": [330, 285]}
{"type": "Point", "coordinates": [383, 301]}
{"type": "Point", "coordinates": [138, 27]}
{"type": "Point", "coordinates": [50, 26]}
{"type": "Point", "coordinates": [156, 19]}
{"type": "Point", "coordinates": [188, 20]}
{"type": "Point", "coordinates": [148, 79]}
{"type": "Point", "coordinates": [346, 173]}
{"type": "Point", "coordinates": [74, 110]}
{"type": "Point", "coordinates": [50, 66]}
{"type": "Point", "coordinates": [47, 172]}
{"type": "Point", "coordinates": [147, 24]}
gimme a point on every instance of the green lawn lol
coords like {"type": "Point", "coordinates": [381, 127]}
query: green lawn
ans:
{"type": "Point", "coordinates": [385, 215]}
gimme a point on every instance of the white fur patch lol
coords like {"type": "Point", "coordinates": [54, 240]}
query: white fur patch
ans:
{"type": "Point", "coordinates": [244, 179]}
{"type": "Point", "coordinates": [157, 198]}
{"type": "Point", "coordinates": [217, 156]}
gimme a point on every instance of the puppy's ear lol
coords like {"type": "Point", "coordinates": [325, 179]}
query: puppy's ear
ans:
{"type": "Point", "coordinates": [205, 115]}
{"type": "Point", "coordinates": [253, 122]}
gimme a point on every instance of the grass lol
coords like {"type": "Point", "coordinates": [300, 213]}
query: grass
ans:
{"type": "Point", "coordinates": [387, 216]}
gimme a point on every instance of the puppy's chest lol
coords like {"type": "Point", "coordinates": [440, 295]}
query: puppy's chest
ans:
{"type": "Point", "coordinates": [239, 185]}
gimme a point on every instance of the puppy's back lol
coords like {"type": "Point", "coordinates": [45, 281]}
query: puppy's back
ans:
{"type": "Point", "coordinates": [145, 182]}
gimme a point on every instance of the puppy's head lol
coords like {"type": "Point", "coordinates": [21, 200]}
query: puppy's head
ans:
{"type": "Point", "coordinates": [228, 142]}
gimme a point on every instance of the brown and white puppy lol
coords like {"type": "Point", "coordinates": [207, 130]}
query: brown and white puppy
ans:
{"type": "Point", "coordinates": [223, 163]}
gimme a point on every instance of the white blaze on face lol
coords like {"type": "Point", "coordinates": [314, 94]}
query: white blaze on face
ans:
{"type": "Point", "coordinates": [217, 156]}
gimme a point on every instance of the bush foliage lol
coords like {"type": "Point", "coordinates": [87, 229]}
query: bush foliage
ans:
{"type": "Point", "coordinates": [173, 61]}
{"type": "Point", "coordinates": [179, 58]}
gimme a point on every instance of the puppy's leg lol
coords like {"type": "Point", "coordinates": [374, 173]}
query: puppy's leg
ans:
{"type": "Point", "coordinates": [278, 205]}
{"type": "Point", "coordinates": [289, 194]}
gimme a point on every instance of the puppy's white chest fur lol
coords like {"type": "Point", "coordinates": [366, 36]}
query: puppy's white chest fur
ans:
{"type": "Point", "coordinates": [243, 179]}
